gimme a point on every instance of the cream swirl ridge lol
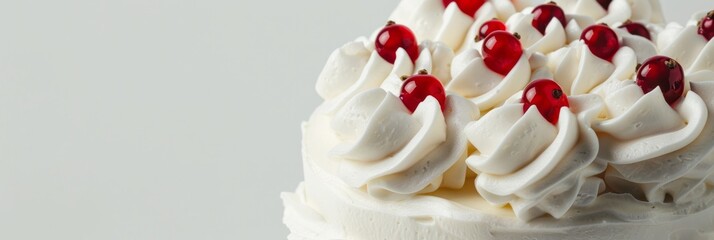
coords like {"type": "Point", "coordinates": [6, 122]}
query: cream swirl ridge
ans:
{"type": "Point", "coordinates": [579, 71]}
{"type": "Point", "coordinates": [685, 45]}
{"type": "Point", "coordinates": [356, 67]}
{"type": "Point", "coordinates": [431, 20]}
{"type": "Point", "coordinates": [643, 47]}
{"type": "Point", "coordinates": [475, 81]}
{"type": "Point", "coordinates": [554, 37]}
{"type": "Point", "coordinates": [396, 154]}
{"type": "Point", "coordinates": [673, 159]}
{"type": "Point", "coordinates": [618, 10]}
{"type": "Point", "coordinates": [538, 168]}
{"type": "Point", "coordinates": [641, 126]}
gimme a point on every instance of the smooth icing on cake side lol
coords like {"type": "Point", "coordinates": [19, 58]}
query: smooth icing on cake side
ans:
{"type": "Point", "coordinates": [578, 131]}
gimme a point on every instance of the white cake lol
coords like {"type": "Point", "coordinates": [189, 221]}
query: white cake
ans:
{"type": "Point", "coordinates": [613, 158]}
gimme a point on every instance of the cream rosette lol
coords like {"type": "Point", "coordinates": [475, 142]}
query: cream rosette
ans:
{"type": "Point", "coordinates": [356, 67]}
{"type": "Point", "coordinates": [429, 19]}
{"type": "Point", "coordinates": [395, 154]}
{"type": "Point", "coordinates": [472, 79]}
{"type": "Point", "coordinates": [619, 10]}
{"type": "Point", "coordinates": [578, 71]}
{"type": "Point", "coordinates": [644, 48]}
{"type": "Point", "coordinates": [554, 37]}
{"type": "Point", "coordinates": [656, 151]}
{"type": "Point", "coordinates": [685, 45]}
{"type": "Point", "coordinates": [538, 168]}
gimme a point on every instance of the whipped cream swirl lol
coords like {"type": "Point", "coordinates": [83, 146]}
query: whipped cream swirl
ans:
{"type": "Point", "coordinates": [643, 47]}
{"type": "Point", "coordinates": [554, 38]}
{"type": "Point", "coordinates": [538, 168]}
{"type": "Point", "coordinates": [356, 67]}
{"type": "Point", "coordinates": [685, 45]}
{"type": "Point", "coordinates": [636, 139]}
{"type": "Point", "coordinates": [396, 154]}
{"type": "Point", "coordinates": [619, 10]}
{"type": "Point", "coordinates": [578, 71]}
{"type": "Point", "coordinates": [556, 35]}
{"type": "Point", "coordinates": [431, 21]}
{"type": "Point", "coordinates": [488, 89]}
{"type": "Point", "coordinates": [655, 149]}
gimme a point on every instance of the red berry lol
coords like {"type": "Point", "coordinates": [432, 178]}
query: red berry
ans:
{"type": "Point", "coordinates": [501, 51]}
{"type": "Point", "coordinates": [395, 36]}
{"type": "Point", "coordinates": [547, 96]}
{"type": "Point", "coordinates": [662, 72]}
{"type": "Point", "coordinates": [543, 14]}
{"type": "Point", "coordinates": [604, 3]}
{"type": "Point", "coordinates": [601, 41]}
{"type": "Point", "coordinates": [706, 26]}
{"type": "Point", "coordinates": [490, 26]}
{"type": "Point", "coordinates": [468, 7]}
{"type": "Point", "coordinates": [636, 29]}
{"type": "Point", "coordinates": [416, 88]}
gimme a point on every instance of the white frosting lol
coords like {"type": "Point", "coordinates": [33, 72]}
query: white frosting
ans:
{"type": "Point", "coordinates": [343, 68]}
{"type": "Point", "coordinates": [671, 156]}
{"type": "Point", "coordinates": [619, 10]}
{"type": "Point", "coordinates": [536, 167]}
{"type": "Point", "coordinates": [686, 46]}
{"type": "Point", "coordinates": [324, 207]}
{"type": "Point", "coordinates": [531, 39]}
{"type": "Point", "coordinates": [374, 170]}
{"type": "Point", "coordinates": [357, 67]}
{"type": "Point", "coordinates": [396, 154]}
{"type": "Point", "coordinates": [643, 47]}
{"type": "Point", "coordinates": [577, 70]}
{"type": "Point", "coordinates": [434, 57]}
{"type": "Point", "coordinates": [305, 222]}
{"type": "Point", "coordinates": [642, 126]}
{"type": "Point", "coordinates": [431, 21]}
{"type": "Point", "coordinates": [474, 80]}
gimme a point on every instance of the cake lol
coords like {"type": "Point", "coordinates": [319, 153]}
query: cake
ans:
{"type": "Point", "coordinates": [499, 119]}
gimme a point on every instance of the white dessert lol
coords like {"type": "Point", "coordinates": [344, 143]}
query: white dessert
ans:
{"type": "Point", "coordinates": [618, 164]}
{"type": "Point", "coordinates": [325, 207]}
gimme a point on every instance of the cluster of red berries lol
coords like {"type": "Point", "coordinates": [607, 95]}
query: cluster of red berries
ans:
{"type": "Point", "coordinates": [502, 51]}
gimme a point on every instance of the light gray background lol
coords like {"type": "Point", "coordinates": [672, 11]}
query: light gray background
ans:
{"type": "Point", "coordinates": [161, 119]}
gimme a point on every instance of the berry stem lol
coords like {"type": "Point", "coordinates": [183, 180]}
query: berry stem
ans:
{"type": "Point", "coordinates": [670, 63]}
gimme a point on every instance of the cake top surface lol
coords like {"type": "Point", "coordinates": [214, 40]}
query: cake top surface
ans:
{"type": "Point", "coordinates": [537, 108]}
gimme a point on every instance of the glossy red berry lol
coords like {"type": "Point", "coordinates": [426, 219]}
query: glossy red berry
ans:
{"type": "Point", "coordinates": [490, 26]}
{"type": "Point", "coordinates": [416, 88]}
{"type": "Point", "coordinates": [601, 40]}
{"type": "Point", "coordinates": [543, 14]}
{"type": "Point", "coordinates": [636, 28]}
{"type": "Point", "coordinates": [662, 72]}
{"type": "Point", "coordinates": [706, 26]}
{"type": "Point", "coordinates": [605, 4]}
{"type": "Point", "coordinates": [395, 36]}
{"type": "Point", "coordinates": [501, 51]}
{"type": "Point", "coordinates": [468, 7]}
{"type": "Point", "coordinates": [547, 96]}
